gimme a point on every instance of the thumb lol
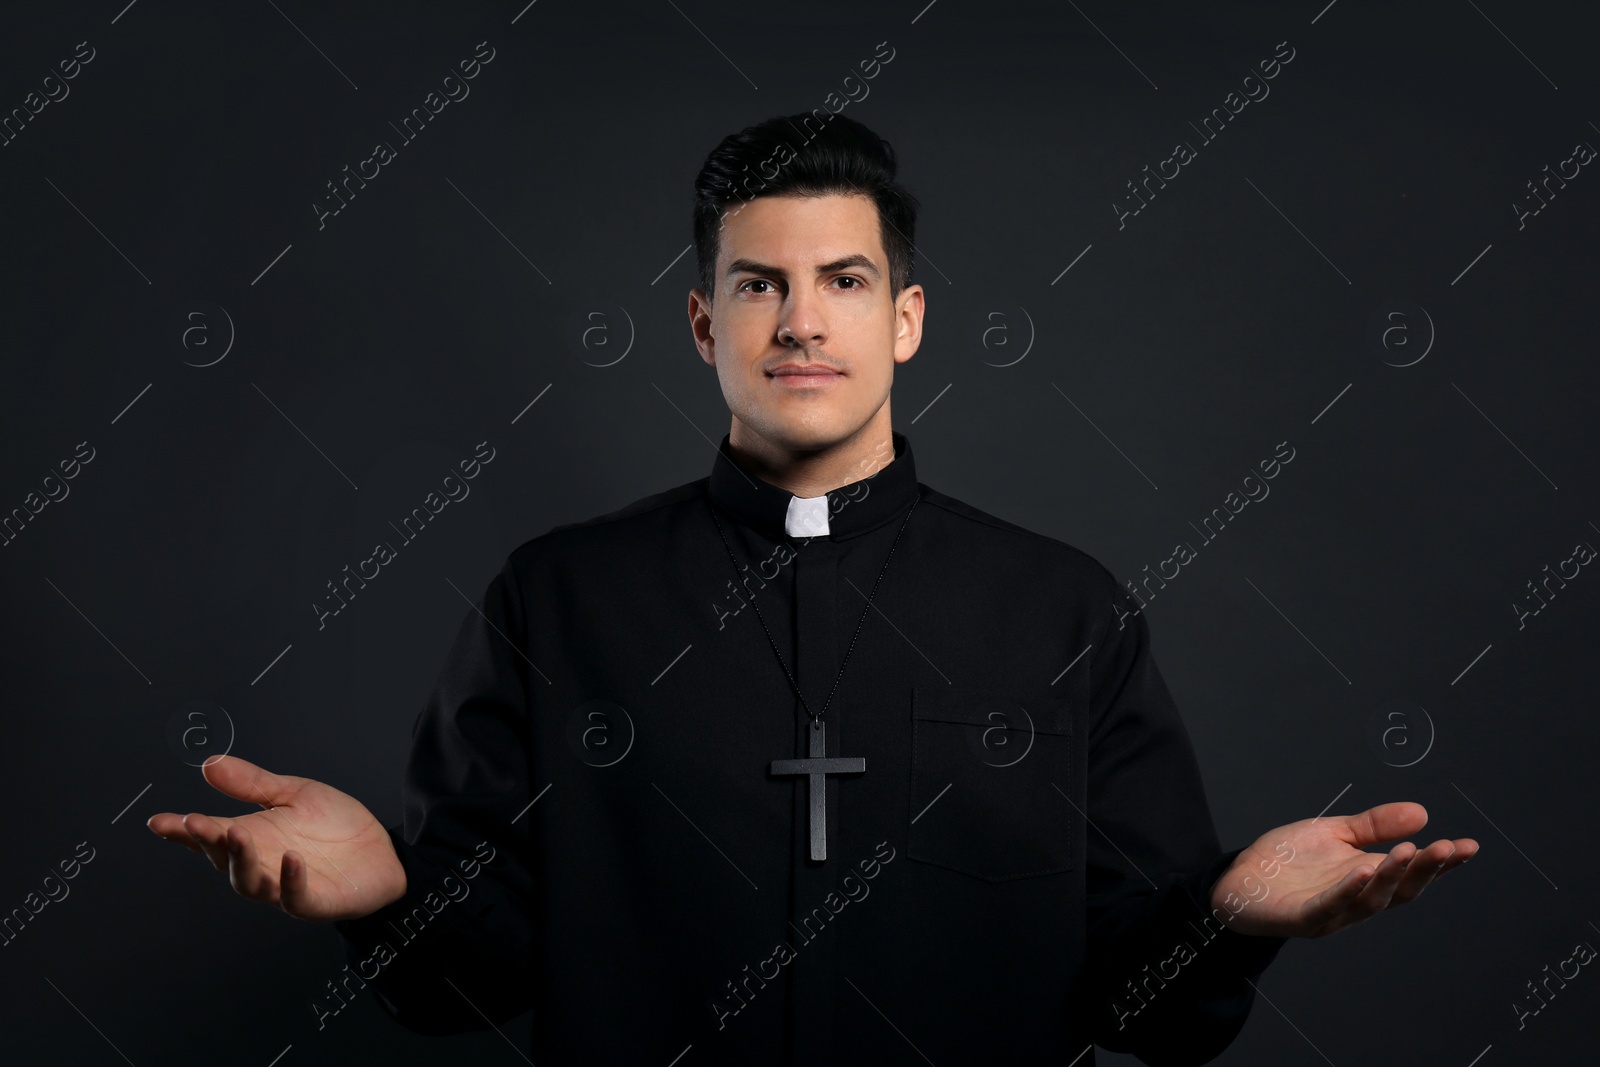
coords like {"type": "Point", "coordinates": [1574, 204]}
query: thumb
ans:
{"type": "Point", "coordinates": [243, 780]}
{"type": "Point", "coordinates": [1385, 822]}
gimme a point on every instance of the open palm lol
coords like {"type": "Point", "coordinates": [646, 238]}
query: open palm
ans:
{"type": "Point", "coordinates": [315, 852]}
{"type": "Point", "coordinates": [1313, 877]}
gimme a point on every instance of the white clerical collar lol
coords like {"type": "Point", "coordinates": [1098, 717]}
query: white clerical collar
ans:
{"type": "Point", "coordinates": [807, 517]}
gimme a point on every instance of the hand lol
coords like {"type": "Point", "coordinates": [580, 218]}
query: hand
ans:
{"type": "Point", "coordinates": [316, 853]}
{"type": "Point", "coordinates": [1310, 878]}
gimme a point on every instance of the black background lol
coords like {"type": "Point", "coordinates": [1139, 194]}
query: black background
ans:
{"type": "Point", "coordinates": [1241, 308]}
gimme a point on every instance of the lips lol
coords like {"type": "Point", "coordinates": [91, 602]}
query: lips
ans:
{"type": "Point", "coordinates": [796, 370]}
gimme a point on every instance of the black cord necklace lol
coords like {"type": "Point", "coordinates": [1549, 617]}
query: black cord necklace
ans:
{"type": "Point", "coordinates": [817, 766]}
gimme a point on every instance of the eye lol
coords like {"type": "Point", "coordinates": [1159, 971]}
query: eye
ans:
{"type": "Point", "coordinates": [850, 278]}
{"type": "Point", "coordinates": [754, 281]}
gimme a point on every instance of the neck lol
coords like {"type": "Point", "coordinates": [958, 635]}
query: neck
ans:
{"type": "Point", "coordinates": [813, 472]}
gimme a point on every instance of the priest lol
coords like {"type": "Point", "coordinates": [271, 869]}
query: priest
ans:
{"type": "Point", "coordinates": [805, 761]}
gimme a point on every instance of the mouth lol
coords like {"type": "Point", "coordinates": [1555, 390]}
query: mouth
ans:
{"type": "Point", "coordinates": [805, 378]}
{"type": "Point", "coordinates": [804, 374]}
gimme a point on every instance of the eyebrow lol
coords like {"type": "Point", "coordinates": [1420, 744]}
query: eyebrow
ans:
{"type": "Point", "coordinates": [750, 266]}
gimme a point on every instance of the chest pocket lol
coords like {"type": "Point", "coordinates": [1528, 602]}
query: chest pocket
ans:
{"type": "Point", "coordinates": [984, 772]}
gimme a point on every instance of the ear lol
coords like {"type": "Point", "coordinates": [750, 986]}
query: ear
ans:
{"type": "Point", "coordinates": [700, 326]}
{"type": "Point", "coordinates": [908, 323]}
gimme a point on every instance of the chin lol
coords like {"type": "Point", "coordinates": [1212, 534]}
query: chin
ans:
{"type": "Point", "coordinates": [804, 436]}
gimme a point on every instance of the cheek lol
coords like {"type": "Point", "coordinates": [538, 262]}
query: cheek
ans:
{"type": "Point", "coordinates": [883, 382]}
{"type": "Point", "coordinates": [743, 338]}
{"type": "Point", "coordinates": [733, 342]}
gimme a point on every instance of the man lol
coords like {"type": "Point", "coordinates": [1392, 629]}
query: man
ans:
{"type": "Point", "coordinates": [804, 761]}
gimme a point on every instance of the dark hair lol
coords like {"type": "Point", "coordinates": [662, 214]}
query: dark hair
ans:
{"type": "Point", "coordinates": [804, 155]}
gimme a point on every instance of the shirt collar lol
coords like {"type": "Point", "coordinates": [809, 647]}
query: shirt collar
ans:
{"type": "Point", "coordinates": [844, 512]}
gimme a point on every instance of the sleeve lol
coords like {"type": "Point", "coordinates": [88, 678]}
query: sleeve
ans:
{"type": "Point", "coordinates": [454, 953]}
{"type": "Point", "coordinates": [1167, 980]}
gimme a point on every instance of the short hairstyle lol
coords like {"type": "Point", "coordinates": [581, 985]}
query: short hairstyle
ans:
{"type": "Point", "coordinates": [804, 155]}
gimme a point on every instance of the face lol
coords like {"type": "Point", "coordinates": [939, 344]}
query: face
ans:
{"type": "Point", "coordinates": [802, 331]}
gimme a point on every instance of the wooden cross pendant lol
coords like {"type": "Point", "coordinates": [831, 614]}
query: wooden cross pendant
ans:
{"type": "Point", "coordinates": [816, 768]}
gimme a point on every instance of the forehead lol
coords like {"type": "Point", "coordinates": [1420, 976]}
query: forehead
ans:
{"type": "Point", "coordinates": [801, 231]}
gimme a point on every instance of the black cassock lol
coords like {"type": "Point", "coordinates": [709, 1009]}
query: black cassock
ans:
{"type": "Point", "coordinates": [592, 830]}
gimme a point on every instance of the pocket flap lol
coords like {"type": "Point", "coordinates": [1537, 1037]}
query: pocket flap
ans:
{"type": "Point", "coordinates": [989, 783]}
{"type": "Point", "coordinates": [988, 708]}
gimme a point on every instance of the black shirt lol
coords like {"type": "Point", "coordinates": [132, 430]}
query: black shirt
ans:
{"type": "Point", "coordinates": [591, 831]}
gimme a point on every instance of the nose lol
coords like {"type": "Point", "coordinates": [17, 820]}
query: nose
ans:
{"type": "Point", "coordinates": [801, 322]}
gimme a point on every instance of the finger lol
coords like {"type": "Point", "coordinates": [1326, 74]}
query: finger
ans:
{"type": "Point", "coordinates": [243, 780]}
{"type": "Point", "coordinates": [169, 825]}
{"type": "Point", "coordinates": [1440, 858]}
{"type": "Point", "coordinates": [1465, 849]}
{"type": "Point", "coordinates": [1375, 896]}
{"type": "Point", "coordinates": [1424, 867]}
{"type": "Point", "coordinates": [245, 871]}
{"type": "Point", "coordinates": [294, 888]}
{"type": "Point", "coordinates": [1352, 899]}
{"type": "Point", "coordinates": [1332, 909]}
{"type": "Point", "coordinates": [1385, 822]}
{"type": "Point", "coordinates": [211, 835]}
